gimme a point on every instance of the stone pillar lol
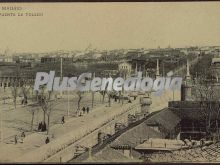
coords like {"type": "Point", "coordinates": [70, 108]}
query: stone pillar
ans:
{"type": "Point", "coordinates": [157, 70]}
{"type": "Point", "coordinates": [186, 88]}
{"type": "Point", "coordinates": [187, 70]}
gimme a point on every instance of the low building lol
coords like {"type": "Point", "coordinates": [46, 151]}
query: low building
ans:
{"type": "Point", "coordinates": [125, 69]}
{"type": "Point", "coordinates": [6, 59]}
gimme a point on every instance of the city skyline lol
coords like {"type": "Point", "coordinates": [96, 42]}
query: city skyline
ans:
{"type": "Point", "coordinates": [108, 26]}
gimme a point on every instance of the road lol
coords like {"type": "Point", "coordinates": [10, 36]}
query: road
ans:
{"type": "Point", "coordinates": [16, 121]}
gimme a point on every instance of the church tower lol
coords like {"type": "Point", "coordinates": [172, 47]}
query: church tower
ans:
{"type": "Point", "coordinates": [186, 88]}
{"type": "Point", "coordinates": [157, 70]}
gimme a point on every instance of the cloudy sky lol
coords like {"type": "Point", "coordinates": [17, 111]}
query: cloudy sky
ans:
{"type": "Point", "coordinates": [110, 26]}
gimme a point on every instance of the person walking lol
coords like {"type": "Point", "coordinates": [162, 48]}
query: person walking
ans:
{"type": "Point", "coordinates": [47, 140]}
{"type": "Point", "coordinates": [63, 120]}
{"type": "Point", "coordinates": [16, 139]}
{"type": "Point", "coordinates": [87, 109]}
{"type": "Point", "coordinates": [22, 137]}
{"type": "Point", "coordinates": [84, 110]}
{"type": "Point", "coordinates": [40, 126]}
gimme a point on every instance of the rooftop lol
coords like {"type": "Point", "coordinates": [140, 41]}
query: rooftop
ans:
{"type": "Point", "coordinates": [160, 145]}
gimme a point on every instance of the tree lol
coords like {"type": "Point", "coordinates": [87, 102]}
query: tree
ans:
{"type": "Point", "coordinates": [41, 97]}
{"type": "Point", "coordinates": [15, 86]}
{"type": "Point", "coordinates": [32, 109]}
{"type": "Point", "coordinates": [109, 98]}
{"type": "Point", "coordinates": [80, 96]}
{"type": "Point", "coordinates": [201, 66]}
{"type": "Point", "coordinates": [103, 93]}
{"type": "Point", "coordinates": [25, 89]}
{"type": "Point", "coordinates": [47, 105]}
{"type": "Point", "coordinates": [93, 96]}
{"type": "Point", "coordinates": [209, 104]}
{"type": "Point", "coordinates": [14, 91]}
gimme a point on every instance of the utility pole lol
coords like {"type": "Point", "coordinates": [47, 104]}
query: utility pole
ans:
{"type": "Point", "coordinates": [1, 127]}
{"type": "Point", "coordinates": [173, 95]}
{"type": "Point", "coordinates": [157, 70]}
{"type": "Point", "coordinates": [93, 93]}
{"type": "Point", "coordinates": [163, 70]}
{"type": "Point", "coordinates": [68, 103]}
{"type": "Point", "coordinates": [61, 74]}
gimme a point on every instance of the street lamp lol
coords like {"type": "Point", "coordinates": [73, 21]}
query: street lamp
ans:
{"type": "Point", "coordinates": [61, 74]}
{"type": "Point", "coordinates": [1, 126]}
{"type": "Point", "coordinates": [68, 103]}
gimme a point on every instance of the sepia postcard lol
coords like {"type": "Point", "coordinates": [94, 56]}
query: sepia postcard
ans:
{"type": "Point", "coordinates": [113, 82]}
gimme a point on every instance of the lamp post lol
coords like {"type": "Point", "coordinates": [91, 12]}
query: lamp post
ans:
{"type": "Point", "coordinates": [1, 122]}
{"type": "Point", "coordinates": [68, 103]}
{"type": "Point", "coordinates": [61, 74]}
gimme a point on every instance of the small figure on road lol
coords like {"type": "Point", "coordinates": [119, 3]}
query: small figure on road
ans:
{"type": "Point", "coordinates": [135, 97]}
{"type": "Point", "coordinates": [40, 126]}
{"type": "Point", "coordinates": [115, 99]}
{"type": "Point", "coordinates": [84, 110]}
{"type": "Point", "coordinates": [22, 137]}
{"type": "Point", "coordinates": [63, 120]}
{"type": "Point", "coordinates": [16, 139]}
{"type": "Point", "coordinates": [47, 140]}
{"type": "Point", "coordinates": [129, 101]}
{"type": "Point", "coordinates": [87, 109]}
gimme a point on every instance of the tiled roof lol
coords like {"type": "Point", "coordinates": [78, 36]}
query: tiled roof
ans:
{"type": "Point", "coordinates": [132, 137]}
{"type": "Point", "coordinates": [166, 118]}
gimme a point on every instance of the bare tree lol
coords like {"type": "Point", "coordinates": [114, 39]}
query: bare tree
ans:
{"type": "Point", "coordinates": [15, 86]}
{"type": "Point", "coordinates": [120, 96]}
{"type": "Point", "coordinates": [48, 112]}
{"type": "Point", "coordinates": [93, 93]}
{"type": "Point", "coordinates": [14, 91]}
{"type": "Point", "coordinates": [103, 93]}
{"type": "Point", "coordinates": [80, 96]}
{"type": "Point", "coordinates": [47, 105]}
{"type": "Point", "coordinates": [93, 96]}
{"type": "Point", "coordinates": [25, 89]}
{"type": "Point", "coordinates": [32, 109]}
{"type": "Point", "coordinates": [41, 97]}
{"type": "Point", "coordinates": [32, 119]}
{"type": "Point", "coordinates": [109, 98]}
{"type": "Point", "coordinates": [209, 105]}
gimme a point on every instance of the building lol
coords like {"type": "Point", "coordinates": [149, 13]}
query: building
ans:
{"type": "Point", "coordinates": [6, 59]}
{"type": "Point", "coordinates": [109, 72]}
{"type": "Point", "coordinates": [125, 69]}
